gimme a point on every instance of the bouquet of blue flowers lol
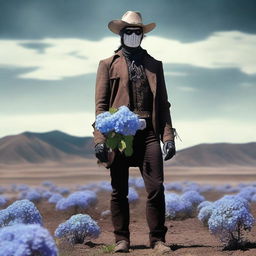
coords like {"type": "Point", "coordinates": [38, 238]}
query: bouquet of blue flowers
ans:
{"type": "Point", "coordinates": [120, 126]}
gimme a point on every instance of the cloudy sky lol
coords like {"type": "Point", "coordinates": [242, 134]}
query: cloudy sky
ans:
{"type": "Point", "coordinates": [50, 50]}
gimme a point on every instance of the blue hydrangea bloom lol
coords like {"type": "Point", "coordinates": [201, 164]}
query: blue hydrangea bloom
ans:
{"type": "Point", "coordinates": [82, 199]}
{"type": "Point", "coordinates": [78, 228]}
{"type": "Point", "coordinates": [133, 195]}
{"type": "Point", "coordinates": [21, 211]}
{"type": "Point", "coordinates": [25, 240]}
{"type": "Point", "coordinates": [126, 122]}
{"type": "Point", "coordinates": [176, 207]}
{"type": "Point", "coordinates": [122, 121]}
{"type": "Point", "coordinates": [230, 216]}
{"type": "Point", "coordinates": [104, 122]}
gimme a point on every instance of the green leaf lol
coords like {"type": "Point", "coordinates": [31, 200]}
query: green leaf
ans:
{"type": "Point", "coordinates": [121, 145]}
{"type": "Point", "coordinates": [113, 142]}
{"type": "Point", "coordinates": [112, 110]}
{"type": "Point", "coordinates": [129, 145]}
{"type": "Point", "coordinates": [128, 139]}
{"type": "Point", "coordinates": [128, 151]}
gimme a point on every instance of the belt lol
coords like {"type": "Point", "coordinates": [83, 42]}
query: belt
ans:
{"type": "Point", "coordinates": [145, 123]}
{"type": "Point", "coordinates": [143, 114]}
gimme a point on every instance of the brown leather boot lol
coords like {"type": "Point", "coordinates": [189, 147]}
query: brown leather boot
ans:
{"type": "Point", "coordinates": [161, 248]}
{"type": "Point", "coordinates": [122, 246]}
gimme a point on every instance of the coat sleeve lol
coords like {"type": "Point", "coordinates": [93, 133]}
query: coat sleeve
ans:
{"type": "Point", "coordinates": [165, 121]}
{"type": "Point", "coordinates": [102, 94]}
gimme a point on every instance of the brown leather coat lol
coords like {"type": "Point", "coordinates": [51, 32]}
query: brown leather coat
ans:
{"type": "Point", "coordinates": [112, 91]}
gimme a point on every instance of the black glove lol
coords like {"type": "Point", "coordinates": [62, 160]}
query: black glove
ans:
{"type": "Point", "coordinates": [101, 152]}
{"type": "Point", "coordinates": [169, 149]}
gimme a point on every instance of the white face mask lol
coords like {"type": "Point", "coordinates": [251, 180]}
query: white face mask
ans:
{"type": "Point", "coordinates": [132, 40]}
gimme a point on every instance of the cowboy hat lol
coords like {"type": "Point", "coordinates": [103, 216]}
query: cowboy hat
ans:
{"type": "Point", "coordinates": [130, 18]}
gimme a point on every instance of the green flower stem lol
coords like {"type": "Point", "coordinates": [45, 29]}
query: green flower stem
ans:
{"type": "Point", "coordinates": [122, 142]}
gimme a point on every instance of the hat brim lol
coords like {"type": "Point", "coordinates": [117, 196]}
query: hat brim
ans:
{"type": "Point", "coordinates": [116, 25]}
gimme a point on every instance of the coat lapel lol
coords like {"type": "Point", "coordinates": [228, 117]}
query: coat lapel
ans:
{"type": "Point", "coordinates": [122, 69]}
{"type": "Point", "coordinates": [151, 80]}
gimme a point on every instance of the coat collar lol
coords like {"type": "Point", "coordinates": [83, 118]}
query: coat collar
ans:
{"type": "Point", "coordinates": [148, 65]}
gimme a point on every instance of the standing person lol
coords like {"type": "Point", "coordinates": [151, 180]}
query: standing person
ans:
{"type": "Point", "coordinates": [133, 78]}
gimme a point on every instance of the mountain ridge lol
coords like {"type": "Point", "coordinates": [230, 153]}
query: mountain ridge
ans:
{"type": "Point", "coordinates": [55, 145]}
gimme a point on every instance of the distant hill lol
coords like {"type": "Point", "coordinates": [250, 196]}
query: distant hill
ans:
{"type": "Point", "coordinates": [32, 147]}
{"type": "Point", "coordinates": [216, 154]}
{"type": "Point", "coordinates": [39, 147]}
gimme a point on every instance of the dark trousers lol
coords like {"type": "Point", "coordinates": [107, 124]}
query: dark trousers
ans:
{"type": "Point", "coordinates": [147, 156]}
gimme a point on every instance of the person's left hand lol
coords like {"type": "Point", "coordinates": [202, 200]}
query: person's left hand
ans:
{"type": "Point", "coordinates": [169, 149]}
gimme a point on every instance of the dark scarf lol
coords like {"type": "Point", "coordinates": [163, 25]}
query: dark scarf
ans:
{"type": "Point", "coordinates": [135, 59]}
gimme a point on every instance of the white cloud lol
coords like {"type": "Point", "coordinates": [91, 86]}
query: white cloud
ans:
{"type": "Point", "coordinates": [247, 85]}
{"type": "Point", "coordinates": [232, 49]}
{"type": "Point", "coordinates": [170, 73]}
{"type": "Point", "coordinates": [79, 124]}
{"type": "Point", "coordinates": [214, 131]}
{"type": "Point", "coordinates": [186, 88]}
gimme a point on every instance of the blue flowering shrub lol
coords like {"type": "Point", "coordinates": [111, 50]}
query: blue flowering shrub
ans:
{"type": "Point", "coordinates": [247, 192]}
{"type": "Point", "coordinates": [193, 197]}
{"type": "Point", "coordinates": [119, 125]}
{"type": "Point", "coordinates": [48, 183]}
{"type": "Point", "coordinates": [104, 186]}
{"type": "Point", "coordinates": [176, 207]}
{"type": "Point", "coordinates": [3, 200]}
{"type": "Point", "coordinates": [78, 229]}
{"type": "Point", "coordinates": [31, 194]}
{"type": "Point", "coordinates": [47, 194]}
{"type": "Point", "coordinates": [133, 195]}
{"type": "Point", "coordinates": [205, 212]}
{"type": "Point", "coordinates": [54, 198]}
{"type": "Point", "coordinates": [137, 182]}
{"type": "Point", "coordinates": [62, 190]}
{"type": "Point", "coordinates": [19, 187]}
{"type": "Point", "coordinates": [2, 190]}
{"type": "Point", "coordinates": [177, 186]}
{"type": "Point", "coordinates": [21, 211]}
{"type": "Point", "coordinates": [25, 240]}
{"type": "Point", "coordinates": [227, 219]}
{"type": "Point", "coordinates": [79, 199]}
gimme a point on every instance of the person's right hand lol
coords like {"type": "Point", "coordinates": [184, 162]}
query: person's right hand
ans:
{"type": "Point", "coordinates": [101, 152]}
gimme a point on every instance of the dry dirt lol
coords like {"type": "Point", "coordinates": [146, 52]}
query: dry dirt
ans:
{"type": "Point", "coordinates": [185, 237]}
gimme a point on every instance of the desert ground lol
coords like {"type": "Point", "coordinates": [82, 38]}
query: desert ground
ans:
{"type": "Point", "coordinates": [185, 237]}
